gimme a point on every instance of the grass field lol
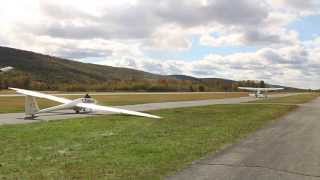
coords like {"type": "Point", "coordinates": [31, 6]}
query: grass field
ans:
{"type": "Point", "coordinates": [126, 147]}
{"type": "Point", "coordinates": [16, 104]}
{"type": "Point", "coordinates": [6, 92]}
{"type": "Point", "coordinates": [295, 99]}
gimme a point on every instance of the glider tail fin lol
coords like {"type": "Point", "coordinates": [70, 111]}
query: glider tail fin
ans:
{"type": "Point", "coordinates": [31, 106]}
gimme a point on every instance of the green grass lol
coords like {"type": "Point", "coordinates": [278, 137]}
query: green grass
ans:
{"type": "Point", "coordinates": [16, 104]}
{"type": "Point", "coordinates": [126, 147]}
{"type": "Point", "coordinates": [295, 99]}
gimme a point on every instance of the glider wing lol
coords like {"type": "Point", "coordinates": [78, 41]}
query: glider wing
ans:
{"type": "Point", "coordinates": [41, 95]}
{"type": "Point", "coordinates": [112, 109]}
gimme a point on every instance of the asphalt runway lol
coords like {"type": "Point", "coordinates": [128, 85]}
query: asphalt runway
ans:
{"type": "Point", "coordinates": [288, 149]}
{"type": "Point", "coordinates": [18, 118]}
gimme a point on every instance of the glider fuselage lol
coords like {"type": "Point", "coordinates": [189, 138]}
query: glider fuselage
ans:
{"type": "Point", "coordinates": [260, 92]}
{"type": "Point", "coordinates": [6, 69]}
{"type": "Point", "coordinates": [71, 105]}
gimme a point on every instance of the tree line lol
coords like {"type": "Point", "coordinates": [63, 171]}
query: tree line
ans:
{"type": "Point", "coordinates": [27, 81]}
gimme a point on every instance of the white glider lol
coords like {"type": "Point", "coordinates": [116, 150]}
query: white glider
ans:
{"type": "Point", "coordinates": [260, 92]}
{"type": "Point", "coordinates": [86, 104]}
{"type": "Point", "coordinates": [6, 69]}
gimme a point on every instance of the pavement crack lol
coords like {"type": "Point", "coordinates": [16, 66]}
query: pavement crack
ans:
{"type": "Point", "coordinates": [263, 167]}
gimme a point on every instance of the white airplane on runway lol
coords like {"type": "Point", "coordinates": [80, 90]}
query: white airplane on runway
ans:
{"type": "Point", "coordinates": [260, 92]}
{"type": "Point", "coordinates": [86, 104]}
{"type": "Point", "coordinates": [6, 69]}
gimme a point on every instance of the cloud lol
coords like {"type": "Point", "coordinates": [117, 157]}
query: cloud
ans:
{"type": "Point", "coordinates": [306, 5]}
{"type": "Point", "coordinates": [80, 53]}
{"type": "Point", "coordinates": [166, 24]}
{"type": "Point", "coordinates": [144, 18]}
{"type": "Point", "coordinates": [196, 13]}
{"type": "Point", "coordinates": [147, 19]}
{"type": "Point", "coordinates": [168, 38]}
{"type": "Point", "coordinates": [295, 65]}
{"type": "Point", "coordinates": [250, 37]}
{"type": "Point", "coordinates": [125, 32]}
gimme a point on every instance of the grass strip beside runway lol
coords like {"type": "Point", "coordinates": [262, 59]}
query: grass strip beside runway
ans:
{"type": "Point", "coordinates": [126, 147]}
{"type": "Point", "coordinates": [294, 99]}
{"type": "Point", "coordinates": [16, 104]}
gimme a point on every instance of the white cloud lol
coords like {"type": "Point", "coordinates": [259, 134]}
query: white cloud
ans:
{"type": "Point", "coordinates": [251, 37]}
{"type": "Point", "coordinates": [168, 38]}
{"type": "Point", "coordinates": [123, 31]}
{"type": "Point", "coordinates": [302, 6]}
{"type": "Point", "coordinates": [165, 25]}
{"type": "Point", "coordinates": [295, 65]}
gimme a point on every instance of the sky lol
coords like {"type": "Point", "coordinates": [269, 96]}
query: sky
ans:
{"type": "Point", "coordinates": [277, 41]}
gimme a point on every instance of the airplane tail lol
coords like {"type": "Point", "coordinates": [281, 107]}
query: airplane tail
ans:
{"type": "Point", "coordinates": [31, 106]}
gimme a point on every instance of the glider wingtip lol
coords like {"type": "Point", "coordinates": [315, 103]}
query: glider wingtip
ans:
{"type": "Point", "coordinates": [153, 116]}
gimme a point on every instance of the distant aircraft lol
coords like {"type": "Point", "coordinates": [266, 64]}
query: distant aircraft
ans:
{"type": "Point", "coordinates": [260, 92]}
{"type": "Point", "coordinates": [6, 69]}
{"type": "Point", "coordinates": [86, 104]}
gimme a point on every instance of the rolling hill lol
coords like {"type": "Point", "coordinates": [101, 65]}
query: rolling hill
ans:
{"type": "Point", "coordinates": [43, 72]}
{"type": "Point", "coordinates": [58, 70]}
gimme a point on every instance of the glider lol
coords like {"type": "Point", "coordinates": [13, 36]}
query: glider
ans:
{"type": "Point", "coordinates": [6, 69]}
{"type": "Point", "coordinates": [260, 92]}
{"type": "Point", "coordinates": [85, 104]}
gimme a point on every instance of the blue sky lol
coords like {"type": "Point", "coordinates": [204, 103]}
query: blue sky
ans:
{"type": "Point", "coordinates": [198, 51]}
{"type": "Point", "coordinates": [272, 40]}
{"type": "Point", "coordinates": [308, 27]}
